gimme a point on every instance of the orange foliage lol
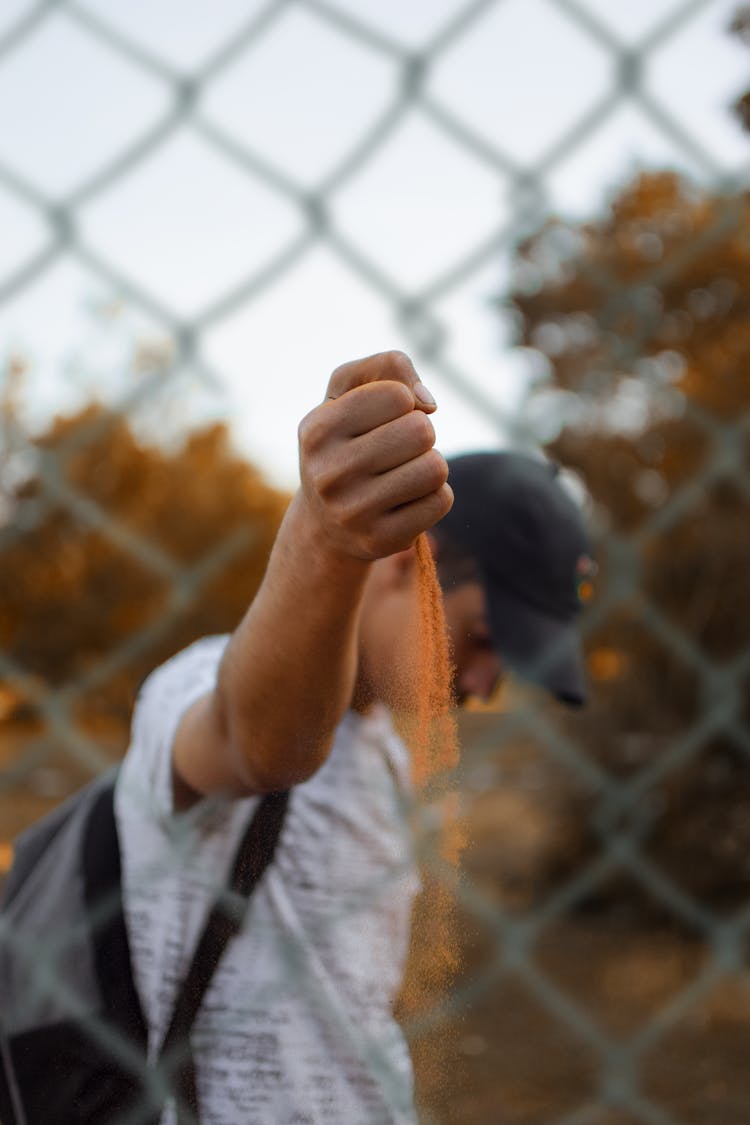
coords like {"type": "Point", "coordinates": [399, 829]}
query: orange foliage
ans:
{"type": "Point", "coordinates": [118, 554]}
{"type": "Point", "coordinates": [665, 278]}
{"type": "Point", "coordinates": [651, 304]}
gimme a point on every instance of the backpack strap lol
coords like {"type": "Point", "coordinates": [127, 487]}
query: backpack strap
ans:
{"type": "Point", "coordinates": [109, 938]}
{"type": "Point", "coordinates": [225, 919]}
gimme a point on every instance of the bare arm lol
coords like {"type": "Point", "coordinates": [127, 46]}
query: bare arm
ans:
{"type": "Point", "coordinates": [371, 483]}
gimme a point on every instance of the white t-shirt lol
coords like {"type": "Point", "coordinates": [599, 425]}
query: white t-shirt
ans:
{"type": "Point", "coordinates": [296, 1027]}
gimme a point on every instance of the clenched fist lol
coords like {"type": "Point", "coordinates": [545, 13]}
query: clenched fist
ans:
{"type": "Point", "coordinates": [371, 477]}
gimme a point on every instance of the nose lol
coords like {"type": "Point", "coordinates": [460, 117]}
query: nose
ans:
{"type": "Point", "coordinates": [480, 676]}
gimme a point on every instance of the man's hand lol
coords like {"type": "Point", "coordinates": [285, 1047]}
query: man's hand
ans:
{"type": "Point", "coordinates": [371, 478]}
{"type": "Point", "coordinates": [371, 483]}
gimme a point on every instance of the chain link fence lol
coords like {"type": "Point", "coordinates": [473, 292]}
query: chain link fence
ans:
{"type": "Point", "coordinates": [598, 984]}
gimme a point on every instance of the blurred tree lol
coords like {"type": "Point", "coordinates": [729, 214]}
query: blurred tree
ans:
{"type": "Point", "coordinates": [115, 554]}
{"type": "Point", "coordinates": [644, 317]}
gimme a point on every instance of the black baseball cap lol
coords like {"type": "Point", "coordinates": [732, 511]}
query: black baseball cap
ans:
{"type": "Point", "coordinates": [526, 535]}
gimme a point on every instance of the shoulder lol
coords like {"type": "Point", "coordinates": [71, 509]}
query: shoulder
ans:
{"type": "Point", "coordinates": [162, 700]}
{"type": "Point", "coordinates": [200, 660]}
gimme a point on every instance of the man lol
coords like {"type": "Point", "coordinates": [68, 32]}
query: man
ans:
{"type": "Point", "coordinates": [297, 1025]}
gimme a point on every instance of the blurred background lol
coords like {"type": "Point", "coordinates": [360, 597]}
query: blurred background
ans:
{"type": "Point", "coordinates": [545, 203]}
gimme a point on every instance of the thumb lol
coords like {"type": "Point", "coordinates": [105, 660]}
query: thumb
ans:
{"type": "Point", "coordinates": [391, 366]}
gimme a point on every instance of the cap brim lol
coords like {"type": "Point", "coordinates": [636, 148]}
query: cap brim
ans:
{"type": "Point", "coordinates": [540, 648]}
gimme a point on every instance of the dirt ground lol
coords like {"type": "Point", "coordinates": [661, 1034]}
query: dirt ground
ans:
{"type": "Point", "coordinates": [507, 1058]}
{"type": "Point", "coordinates": [529, 1033]}
{"type": "Point", "coordinates": [608, 1012]}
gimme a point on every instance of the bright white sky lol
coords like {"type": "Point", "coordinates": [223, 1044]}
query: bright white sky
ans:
{"type": "Point", "coordinates": [188, 226]}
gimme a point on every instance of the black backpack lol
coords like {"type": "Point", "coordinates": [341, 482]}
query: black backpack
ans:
{"type": "Point", "coordinates": [72, 1033]}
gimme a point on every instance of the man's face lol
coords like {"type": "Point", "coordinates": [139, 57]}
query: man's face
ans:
{"type": "Point", "coordinates": [478, 667]}
{"type": "Point", "coordinates": [387, 632]}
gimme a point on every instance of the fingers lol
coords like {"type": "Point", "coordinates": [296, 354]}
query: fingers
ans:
{"type": "Point", "coordinates": [398, 525]}
{"type": "Point", "coordinates": [393, 444]}
{"type": "Point", "coordinates": [368, 524]}
{"type": "Point", "coordinates": [383, 367]}
{"type": "Point", "coordinates": [405, 484]}
{"type": "Point", "coordinates": [366, 408]}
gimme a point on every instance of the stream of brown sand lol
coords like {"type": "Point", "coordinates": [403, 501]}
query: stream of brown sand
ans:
{"type": "Point", "coordinates": [428, 724]}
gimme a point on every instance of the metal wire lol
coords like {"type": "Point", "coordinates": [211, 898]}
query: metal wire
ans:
{"type": "Point", "coordinates": [619, 815]}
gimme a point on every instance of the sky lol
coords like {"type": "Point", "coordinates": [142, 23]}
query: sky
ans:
{"type": "Point", "coordinates": [406, 126]}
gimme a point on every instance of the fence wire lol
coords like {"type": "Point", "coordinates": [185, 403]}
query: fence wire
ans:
{"type": "Point", "coordinates": [518, 992]}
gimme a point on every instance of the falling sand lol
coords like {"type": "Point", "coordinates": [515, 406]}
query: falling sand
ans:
{"type": "Point", "coordinates": [427, 722]}
{"type": "Point", "coordinates": [433, 740]}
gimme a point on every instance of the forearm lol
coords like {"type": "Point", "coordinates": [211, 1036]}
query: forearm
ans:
{"type": "Point", "coordinates": [289, 670]}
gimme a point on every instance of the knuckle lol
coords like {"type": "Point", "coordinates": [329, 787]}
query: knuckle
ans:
{"type": "Point", "coordinates": [441, 502]}
{"type": "Point", "coordinates": [372, 547]}
{"type": "Point", "coordinates": [400, 367]}
{"type": "Point", "coordinates": [421, 430]}
{"type": "Point", "coordinates": [435, 468]}
{"type": "Point", "coordinates": [344, 377]}
{"type": "Point", "coordinates": [342, 371]}
{"type": "Point", "coordinates": [303, 430]}
{"type": "Point", "coordinates": [397, 398]}
{"type": "Point", "coordinates": [444, 498]}
{"type": "Point", "coordinates": [311, 432]}
{"type": "Point", "coordinates": [399, 362]}
{"type": "Point", "coordinates": [347, 514]}
{"type": "Point", "coordinates": [320, 467]}
{"type": "Point", "coordinates": [327, 480]}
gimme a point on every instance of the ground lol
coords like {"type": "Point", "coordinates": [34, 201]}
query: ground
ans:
{"type": "Point", "coordinates": [542, 1025]}
{"type": "Point", "coordinates": [547, 989]}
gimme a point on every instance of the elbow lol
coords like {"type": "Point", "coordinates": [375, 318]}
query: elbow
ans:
{"type": "Point", "coordinates": [262, 770]}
